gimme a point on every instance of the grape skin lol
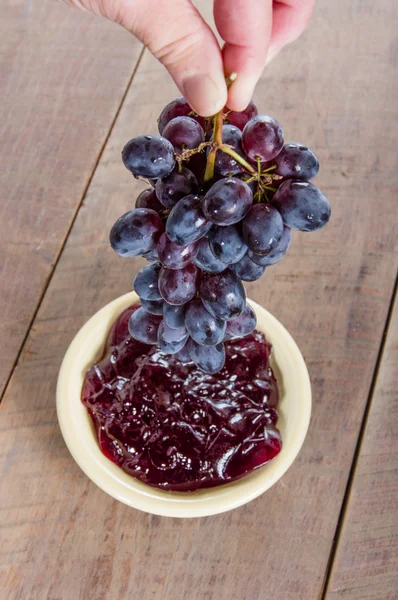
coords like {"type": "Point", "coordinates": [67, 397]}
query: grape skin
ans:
{"type": "Point", "coordinates": [244, 324]}
{"type": "Point", "coordinates": [206, 260]}
{"type": "Point", "coordinates": [227, 201]}
{"type": "Point", "coordinates": [239, 119]}
{"type": "Point", "coordinates": [149, 199]}
{"type": "Point", "coordinates": [262, 138]}
{"type": "Point", "coordinates": [227, 244]}
{"type": "Point", "coordinates": [174, 256]}
{"type": "Point", "coordinates": [136, 232]}
{"type": "Point", "coordinates": [149, 156]}
{"type": "Point", "coordinates": [296, 161]}
{"type": "Point", "coordinates": [170, 340]}
{"type": "Point", "coordinates": [186, 222]}
{"type": "Point", "coordinates": [175, 186]}
{"type": "Point", "coordinates": [174, 315]}
{"type": "Point", "coordinates": [247, 270]}
{"type": "Point", "coordinates": [177, 108]}
{"type": "Point", "coordinates": [262, 228]}
{"type": "Point", "coordinates": [226, 165]}
{"type": "Point", "coordinates": [184, 133]}
{"type": "Point", "coordinates": [223, 295]}
{"type": "Point", "coordinates": [154, 307]}
{"type": "Point", "coordinates": [302, 205]}
{"type": "Point", "coordinates": [179, 286]}
{"type": "Point", "coordinates": [210, 359]}
{"type": "Point", "coordinates": [146, 282]}
{"type": "Point", "coordinates": [276, 253]}
{"type": "Point", "coordinates": [144, 326]}
{"type": "Point", "coordinates": [204, 328]}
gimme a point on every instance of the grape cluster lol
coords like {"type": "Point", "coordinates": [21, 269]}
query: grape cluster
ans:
{"type": "Point", "coordinates": [225, 194]}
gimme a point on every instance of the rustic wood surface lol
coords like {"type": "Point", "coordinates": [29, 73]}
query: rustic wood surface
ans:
{"type": "Point", "coordinates": [63, 538]}
{"type": "Point", "coordinates": [63, 76]}
{"type": "Point", "coordinates": [366, 565]}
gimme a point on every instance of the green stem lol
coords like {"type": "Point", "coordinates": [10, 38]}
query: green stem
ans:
{"type": "Point", "coordinates": [217, 137]}
{"type": "Point", "coordinates": [228, 150]}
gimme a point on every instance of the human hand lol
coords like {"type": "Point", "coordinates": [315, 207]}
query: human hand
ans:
{"type": "Point", "coordinates": [253, 31]}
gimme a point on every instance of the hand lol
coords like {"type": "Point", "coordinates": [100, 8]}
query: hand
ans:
{"type": "Point", "coordinates": [253, 31]}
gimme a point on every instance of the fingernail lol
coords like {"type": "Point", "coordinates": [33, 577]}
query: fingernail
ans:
{"type": "Point", "coordinates": [204, 95]}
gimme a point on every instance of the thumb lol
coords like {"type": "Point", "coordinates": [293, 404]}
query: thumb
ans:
{"type": "Point", "coordinates": [178, 36]}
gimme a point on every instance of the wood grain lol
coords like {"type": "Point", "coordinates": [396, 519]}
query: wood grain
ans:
{"type": "Point", "coordinates": [63, 75]}
{"type": "Point", "coordinates": [63, 537]}
{"type": "Point", "coordinates": [366, 565]}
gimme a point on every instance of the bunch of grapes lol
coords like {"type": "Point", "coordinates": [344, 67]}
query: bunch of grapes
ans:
{"type": "Point", "coordinates": [225, 194]}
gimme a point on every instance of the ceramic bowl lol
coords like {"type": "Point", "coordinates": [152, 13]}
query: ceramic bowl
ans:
{"type": "Point", "coordinates": [294, 415]}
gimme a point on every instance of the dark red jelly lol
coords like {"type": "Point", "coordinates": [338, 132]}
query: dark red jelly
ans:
{"type": "Point", "coordinates": [174, 427]}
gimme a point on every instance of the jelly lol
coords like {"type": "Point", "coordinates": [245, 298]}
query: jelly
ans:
{"type": "Point", "coordinates": [174, 427]}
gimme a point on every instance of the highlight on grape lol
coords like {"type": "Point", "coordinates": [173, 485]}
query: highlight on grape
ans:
{"type": "Point", "coordinates": [225, 193]}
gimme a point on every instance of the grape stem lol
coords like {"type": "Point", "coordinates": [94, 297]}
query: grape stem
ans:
{"type": "Point", "coordinates": [217, 137]}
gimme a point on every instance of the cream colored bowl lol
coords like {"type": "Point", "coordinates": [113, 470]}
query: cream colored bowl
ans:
{"type": "Point", "coordinates": [294, 416]}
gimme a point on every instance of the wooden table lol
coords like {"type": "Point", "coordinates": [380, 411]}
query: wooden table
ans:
{"type": "Point", "coordinates": [74, 89]}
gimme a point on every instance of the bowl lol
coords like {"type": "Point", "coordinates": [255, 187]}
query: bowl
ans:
{"type": "Point", "coordinates": [294, 415]}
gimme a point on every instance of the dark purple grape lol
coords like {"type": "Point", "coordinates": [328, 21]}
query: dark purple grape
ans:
{"type": "Point", "coordinates": [179, 287]}
{"type": "Point", "coordinates": [151, 256]}
{"type": "Point", "coordinates": [146, 282]}
{"type": "Point", "coordinates": [170, 340]}
{"type": "Point", "coordinates": [149, 156]}
{"type": "Point", "coordinates": [206, 260]}
{"type": "Point", "coordinates": [247, 270]}
{"type": "Point", "coordinates": [244, 324]}
{"type": "Point", "coordinates": [172, 255]}
{"type": "Point", "coordinates": [262, 138]}
{"type": "Point", "coordinates": [144, 327]}
{"type": "Point", "coordinates": [227, 243]}
{"type": "Point", "coordinates": [227, 201]}
{"type": "Point", "coordinates": [210, 359]}
{"type": "Point", "coordinates": [262, 228]}
{"type": "Point", "coordinates": [184, 133]}
{"type": "Point", "coordinates": [302, 205]}
{"type": "Point", "coordinates": [226, 164]}
{"type": "Point", "coordinates": [148, 199]}
{"type": "Point", "coordinates": [239, 119]}
{"type": "Point", "coordinates": [183, 354]}
{"type": "Point", "coordinates": [174, 315]}
{"type": "Point", "coordinates": [154, 307]}
{"type": "Point", "coordinates": [177, 108]}
{"type": "Point", "coordinates": [223, 295]}
{"type": "Point", "coordinates": [204, 328]}
{"type": "Point", "coordinates": [175, 186]}
{"type": "Point", "coordinates": [186, 222]}
{"type": "Point", "coordinates": [296, 161]}
{"type": "Point", "coordinates": [136, 232]}
{"type": "Point", "coordinates": [276, 253]}
{"type": "Point", "coordinates": [197, 164]}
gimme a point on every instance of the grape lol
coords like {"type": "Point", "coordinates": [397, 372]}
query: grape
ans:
{"type": "Point", "coordinates": [262, 228]}
{"type": "Point", "coordinates": [174, 315]}
{"type": "Point", "coordinates": [136, 232]}
{"type": "Point", "coordinates": [178, 287]}
{"type": "Point", "coordinates": [184, 133]}
{"type": "Point", "coordinates": [226, 164]}
{"type": "Point", "coordinates": [239, 119]}
{"type": "Point", "coordinates": [247, 270]}
{"type": "Point", "coordinates": [262, 138]}
{"type": "Point", "coordinates": [149, 156]}
{"type": "Point", "coordinates": [208, 358]}
{"type": "Point", "coordinates": [302, 205]}
{"type": "Point", "coordinates": [175, 186]}
{"type": "Point", "coordinates": [148, 199]}
{"type": "Point", "coordinates": [244, 324]}
{"type": "Point", "coordinates": [227, 201]}
{"type": "Point", "coordinates": [183, 354]}
{"type": "Point", "coordinates": [155, 307]}
{"type": "Point", "coordinates": [151, 256]}
{"type": "Point", "coordinates": [206, 260]}
{"type": "Point", "coordinates": [197, 164]}
{"type": "Point", "coordinates": [276, 253]}
{"type": "Point", "coordinates": [227, 243]}
{"type": "Point", "coordinates": [203, 327]}
{"type": "Point", "coordinates": [177, 108]}
{"type": "Point", "coordinates": [223, 295]}
{"type": "Point", "coordinates": [170, 340]}
{"type": "Point", "coordinates": [296, 161]}
{"type": "Point", "coordinates": [186, 222]}
{"type": "Point", "coordinates": [144, 326]}
{"type": "Point", "coordinates": [146, 282]}
{"type": "Point", "coordinates": [174, 256]}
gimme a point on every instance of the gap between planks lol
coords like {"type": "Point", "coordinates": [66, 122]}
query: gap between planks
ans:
{"type": "Point", "coordinates": [71, 224]}
{"type": "Point", "coordinates": [358, 447]}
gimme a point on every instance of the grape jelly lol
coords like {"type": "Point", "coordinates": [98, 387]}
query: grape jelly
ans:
{"type": "Point", "coordinates": [174, 427]}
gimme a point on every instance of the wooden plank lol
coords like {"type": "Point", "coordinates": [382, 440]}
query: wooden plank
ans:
{"type": "Point", "coordinates": [365, 565]}
{"type": "Point", "coordinates": [63, 537]}
{"type": "Point", "coordinates": [64, 73]}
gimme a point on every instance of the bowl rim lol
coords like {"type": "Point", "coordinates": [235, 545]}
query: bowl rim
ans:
{"type": "Point", "coordinates": [125, 488]}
